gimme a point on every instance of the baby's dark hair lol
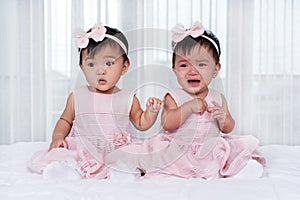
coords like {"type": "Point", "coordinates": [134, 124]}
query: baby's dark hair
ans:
{"type": "Point", "coordinates": [188, 43]}
{"type": "Point", "coordinates": [94, 46]}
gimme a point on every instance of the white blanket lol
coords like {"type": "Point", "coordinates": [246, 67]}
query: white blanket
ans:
{"type": "Point", "coordinates": [281, 181]}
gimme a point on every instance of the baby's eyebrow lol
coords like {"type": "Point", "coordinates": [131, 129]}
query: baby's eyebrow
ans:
{"type": "Point", "coordinates": [182, 60]}
{"type": "Point", "coordinates": [202, 60]}
{"type": "Point", "coordinates": [109, 56]}
{"type": "Point", "coordinates": [88, 58]}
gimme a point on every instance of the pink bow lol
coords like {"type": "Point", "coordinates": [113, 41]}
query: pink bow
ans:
{"type": "Point", "coordinates": [179, 32]}
{"type": "Point", "coordinates": [122, 139]}
{"type": "Point", "coordinates": [82, 38]}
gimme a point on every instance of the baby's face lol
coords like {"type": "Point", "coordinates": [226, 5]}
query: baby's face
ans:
{"type": "Point", "coordinates": [195, 70]}
{"type": "Point", "coordinates": [103, 71]}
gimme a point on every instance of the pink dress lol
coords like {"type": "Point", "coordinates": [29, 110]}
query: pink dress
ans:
{"type": "Point", "coordinates": [101, 125]}
{"type": "Point", "coordinates": [197, 149]}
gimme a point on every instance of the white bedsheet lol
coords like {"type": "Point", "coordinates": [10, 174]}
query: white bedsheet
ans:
{"type": "Point", "coordinates": [280, 183]}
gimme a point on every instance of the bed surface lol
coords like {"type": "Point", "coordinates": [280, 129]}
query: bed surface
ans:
{"type": "Point", "coordinates": [281, 181]}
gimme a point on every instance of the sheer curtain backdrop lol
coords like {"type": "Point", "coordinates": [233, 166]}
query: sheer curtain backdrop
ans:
{"type": "Point", "coordinates": [262, 82]}
{"type": "Point", "coordinates": [259, 42]}
{"type": "Point", "coordinates": [22, 72]}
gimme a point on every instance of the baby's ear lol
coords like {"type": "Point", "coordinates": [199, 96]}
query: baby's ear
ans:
{"type": "Point", "coordinates": [173, 69]}
{"type": "Point", "coordinates": [217, 69]}
{"type": "Point", "coordinates": [126, 65]}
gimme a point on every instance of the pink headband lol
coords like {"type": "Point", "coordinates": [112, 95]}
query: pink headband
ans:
{"type": "Point", "coordinates": [98, 33]}
{"type": "Point", "coordinates": [179, 33]}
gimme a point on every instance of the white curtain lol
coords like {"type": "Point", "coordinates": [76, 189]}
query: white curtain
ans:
{"type": "Point", "coordinates": [22, 72]}
{"type": "Point", "coordinates": [262, 79]}
{"type": "Point", "coordinates": [259, 46]}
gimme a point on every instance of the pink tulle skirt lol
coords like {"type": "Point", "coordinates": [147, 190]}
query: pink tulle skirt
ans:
{"type": "Point", "coordinates": [86, 165]}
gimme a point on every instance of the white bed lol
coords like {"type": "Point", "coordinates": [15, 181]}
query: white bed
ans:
{"type": "Point", "coordinates": [281, 181]}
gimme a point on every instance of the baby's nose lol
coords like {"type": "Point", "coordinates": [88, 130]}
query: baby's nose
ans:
{"type": "Point", "coordinates": [193, 70]}
{"type": "Point", "coordinates": [101, 70]}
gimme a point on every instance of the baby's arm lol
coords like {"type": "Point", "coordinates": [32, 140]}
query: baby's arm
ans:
{"type": "Point", "coordinates": [143, 120]}
{"type": "Point", "coordinates": [173, 116]}
{"type": "Point", "coordinates": [63, 126]}
{"type": "Point", "coordinates": [222, 114]}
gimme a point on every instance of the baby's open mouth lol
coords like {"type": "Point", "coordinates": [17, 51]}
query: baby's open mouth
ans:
{"type": "Point", "coordinates": [194, 83]}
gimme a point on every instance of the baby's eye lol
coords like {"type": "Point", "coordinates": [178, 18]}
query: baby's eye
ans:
{"type": "Point", "coordinates": [183, 65]}
{"type": "Point", "coordinates": [109, 63]}
{"type": "Point", "coordinates": [202, 65]}
{"type": "Point", "coordinates": [91, 65]}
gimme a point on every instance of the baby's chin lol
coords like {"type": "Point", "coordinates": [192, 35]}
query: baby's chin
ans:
{"type": "Point", "coordinates": [107, 90]}
{"type": "Point", "coordinates": [191, 91]}
{"type": "Point", "coordinates": [194, 91]}
{"type": "Point", "coordinates": [96, 88]}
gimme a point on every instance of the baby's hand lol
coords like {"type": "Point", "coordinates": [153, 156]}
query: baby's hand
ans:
{"type": "Point", "coordinates": [154, 104]}
{"type": "Point", "coordinates": [198, 105]}
{"type": "Point", "coordinates": [218, 113]}
{"type": "Point", "coordinates": [58, 143]}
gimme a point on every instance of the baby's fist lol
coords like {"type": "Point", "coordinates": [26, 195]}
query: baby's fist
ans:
{"type": "Point", "coordinates": [154, 104]}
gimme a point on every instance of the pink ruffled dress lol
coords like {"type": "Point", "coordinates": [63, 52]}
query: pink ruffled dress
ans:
{"type": "Point", "coordinates": [101, 125]}
{"type": "Point", "coordinates": [197, 149]}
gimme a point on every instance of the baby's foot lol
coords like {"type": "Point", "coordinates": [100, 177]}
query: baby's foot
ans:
{"type": "Point", "coordinates": [252, 170]}
{"type": "Point", "coordinates": [61, 171]}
